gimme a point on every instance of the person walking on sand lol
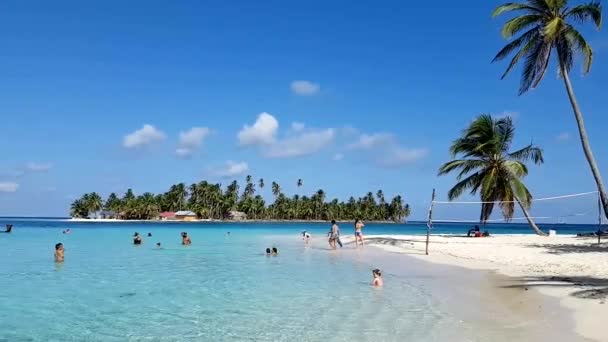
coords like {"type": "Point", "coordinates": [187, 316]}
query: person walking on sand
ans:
{"type": "Point", "coordinates": [359, 232]}
{"type": "Point", "coordinates": [334, 235]}
{"type": "Point", "coordinates": [59, 256]}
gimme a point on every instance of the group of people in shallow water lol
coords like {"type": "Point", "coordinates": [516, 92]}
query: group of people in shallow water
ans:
{"type": "Point", "coordinates": [334, 238]}
{"type": "Point", "coordinates": [334, 234]}
{"type": "Point", "coordinates": [137, 240]}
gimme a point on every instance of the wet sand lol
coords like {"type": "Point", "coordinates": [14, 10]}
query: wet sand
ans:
{"type": "Point", "coordinates": [488, 305]}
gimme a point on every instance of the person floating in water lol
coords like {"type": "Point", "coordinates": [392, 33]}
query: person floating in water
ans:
{"type": "Point", "coordinates": [137, 239]}
{"type": "Point", "coordinates": [377, 281]}
{"type": "Point", "coordinates": [268, 251]}
{"type": "Point", "coordinates": [186, 239]}
{"type": "Point", "coordinates": [67, 231]}
{"type": "Point", "coordinates": [275, 251]}
{"type": "Point", "coordinates": [158, 246]}
{"type": "Point", "coordinates": [359, 232]}
{"type": "Point", "coordinates": [59, 256]}
{"type": "Point", "coordinates": [9, 228]}
{"type": "Point", "coordinates": [149, 234]}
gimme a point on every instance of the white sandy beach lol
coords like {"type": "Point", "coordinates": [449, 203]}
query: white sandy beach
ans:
{"type": "Point", "coordinates": [573, 269]}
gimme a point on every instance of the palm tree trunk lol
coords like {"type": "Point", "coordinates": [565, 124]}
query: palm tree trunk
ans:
{"type": "Point", "coordinates": [529, 219]}
{"type": "Point", "coordinates": [585, 141]}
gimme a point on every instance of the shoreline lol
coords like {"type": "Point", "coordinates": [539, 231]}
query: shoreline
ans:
{"type": "Point", "coordinates": [573, 270]}
{"type": "Point", "coordinates": [74, 219]}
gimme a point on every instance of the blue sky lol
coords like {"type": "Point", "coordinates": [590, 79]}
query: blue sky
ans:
{"type": "Point", "coordinates": [357, 98]}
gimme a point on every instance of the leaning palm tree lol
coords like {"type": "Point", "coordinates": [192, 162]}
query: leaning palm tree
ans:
{"type": "Point", "coordinates": [549, 28]}
{"type": "Point", "coordinates": [491, 169]}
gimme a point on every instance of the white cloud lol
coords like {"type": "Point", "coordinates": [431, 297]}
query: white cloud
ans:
{"type": "Point", "coordinates": [304, 88]}
{"type": "Point", "coordinates": [400, 156]}
{"type": "Point", "coordinates": [146, 135]}
{"type": "Point", "coordinates": [371, 141]}
{"type": "Point", "coordinates": [300, 145]}
{"type": "Point", "coordinates": [230, 169]}
{"type": "Point", "coordinates": [190, 140]}
{"type": "Point", "coordinates": [563, 137]}
{"type": "Point", "coordinates": [297, 126]}
{"type": "Point", "coordinates": [38, 167]}
{"type": "Point", "coordinates": [384, 149]}
{"type": "Point", "coordinates": [338, 156]}
{"type": "Point", "coordinates": [8, 186]}
{"type": "Point", "coordinates": [263, 131]}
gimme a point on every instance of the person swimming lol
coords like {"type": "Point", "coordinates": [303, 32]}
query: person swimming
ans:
{"type": "Point", "coordinates": [186, 239]}
{"type": "Point", "coordinates": [158, 246]}
{"type": "Point", "coordinates": [59, 250]}
{"type": "Point", "coordinates": [149, 234]}
{"type": "Point", "coordinates": [275, 251]}
{"type": "Point", "coordinates": [137, 239]}
{"type": "Point", "coordinates": [67, 231]}
{"type": "Point", "coordinates": [377, 281]}
{"type": "Point", "coordinates": [268, 251]}
{"type": "Point", "coordinates": [9, 228]}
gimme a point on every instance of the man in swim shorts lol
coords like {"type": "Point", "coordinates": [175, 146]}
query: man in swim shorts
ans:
{"type": "Point", "coordinates": [186, 239]}
{"type": "Point", "coordinates": [59, 256]}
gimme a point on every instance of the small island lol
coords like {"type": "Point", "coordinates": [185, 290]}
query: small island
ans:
{"type": "Point", "coordinates": [208, 201]}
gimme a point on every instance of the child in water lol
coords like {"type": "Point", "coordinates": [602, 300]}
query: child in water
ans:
{"type": "Point", "coordinates": [377, 281]}
{"type": "Point", "coordinates": [59, 252]}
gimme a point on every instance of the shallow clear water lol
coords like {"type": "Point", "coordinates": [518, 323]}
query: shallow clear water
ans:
{"type": "Point", "coordinates": [221, 288]}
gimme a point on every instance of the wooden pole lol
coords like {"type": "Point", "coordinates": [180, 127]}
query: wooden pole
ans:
{"type": "Point", "coordinates": [429, 223]}
{"type": "Point", "coordinates": [599, 219]}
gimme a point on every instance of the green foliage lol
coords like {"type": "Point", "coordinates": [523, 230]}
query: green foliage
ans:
{"type": "Point", "coordinates": [551, 29]}
{"type": "Point", "coordinates": [210, 201]}
{"type": "Point", "coordinates": [486, 166]}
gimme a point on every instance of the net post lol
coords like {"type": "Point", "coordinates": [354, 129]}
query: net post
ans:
{"type": "Point", "coordinates": [599, 218]}
{"type": "Point", "coordinates": [429, 223]}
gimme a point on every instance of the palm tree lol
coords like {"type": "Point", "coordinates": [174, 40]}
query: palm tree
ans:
{"type": "Point", "coordinates": [299, 183]}
{"type": "Point", "coordinates": [550, 28]}
{"type": "Point", "coordinates": [93, 202]}
{"type": "Point", "coordinates": [491, 169]}
{"type": "Point", "coordinates": [261, 183]}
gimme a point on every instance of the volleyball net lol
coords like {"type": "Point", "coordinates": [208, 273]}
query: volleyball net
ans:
{"type": "Point", "coordinates": [578, 208]}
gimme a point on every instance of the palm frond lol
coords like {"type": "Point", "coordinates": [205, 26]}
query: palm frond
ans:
{"type": "Point", "coordinates": [517, 24]}
{"type": "Point", "coordinates": [515, 169]}
{"type": "Point", "coordinates": [533, 42]}
{"type": "Point", "coordinates": [582, 13]}
{"type": "Point", "coordinates": [513, 6]}
{"type": "Point", "coordinates": [463, 185]}
{"type": "Point", "coordinates": [577, 40]}
{"type": "Point", "coordinates": [529, 152]}
{"type": "Point", "coordinates": [464, 165]}
{"type": "Point", "coordinates": [535, 66]}
{"type": "Point", "coordinates": [524, 38]}
{"type": "Point", "coordinates": [505, 132]}
{"type": "Point", "coordinates": [563, 47]}
{"type": "Point", "coordinates": [553, 28]}
{"type": "Point", "coordinates": [521, 193]}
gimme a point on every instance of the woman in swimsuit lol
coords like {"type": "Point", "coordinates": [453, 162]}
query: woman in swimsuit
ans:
{"type": "Point", "coordinates": [359, 232]}
{"type": "Point", "coordinates": [377, 281]}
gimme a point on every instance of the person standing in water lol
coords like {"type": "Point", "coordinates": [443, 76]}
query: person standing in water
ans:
{"type": "Point", "coordinates": [186, 239]}
{"type": "Point", "coordinates": [359, 232]}
{"type": "Point", "coordinates": [377, 281]}
{"type": "Point", "coordinates": [59, 256]}
{"type": "Point", "coordinates": [137, 239]}
{"type": "Point", "coordinates": [334, 235]}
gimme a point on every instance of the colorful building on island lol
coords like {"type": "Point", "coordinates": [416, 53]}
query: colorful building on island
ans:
{"type": "Point", "coordinates": [167, 215]}
{"type": "Point", "coordinates": [185, 215]}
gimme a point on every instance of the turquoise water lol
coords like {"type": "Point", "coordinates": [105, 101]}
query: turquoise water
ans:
{"type": "Point", "coordinates": [221, 288]}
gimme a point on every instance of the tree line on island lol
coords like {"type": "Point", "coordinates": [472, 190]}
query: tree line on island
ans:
{"type": "Point", "coordinates": [210, 201]}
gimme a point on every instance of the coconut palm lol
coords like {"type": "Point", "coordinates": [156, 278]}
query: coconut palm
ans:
{"type": "Point", "coordinates": [93, 202]}
{"type": "Point", "coordinates": [299, 183]}
{"type": "Point", "coordinates": [549, 27]}
{"type": "Point", "coordinates": [491, 169]}
{"type": "Point", "coordinates": [261, 183]}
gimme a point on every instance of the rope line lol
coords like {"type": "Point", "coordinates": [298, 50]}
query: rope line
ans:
{"type": "Point", "coordinates": [516, 218]}
{"type": "Point", "coordinates": [533, 200]}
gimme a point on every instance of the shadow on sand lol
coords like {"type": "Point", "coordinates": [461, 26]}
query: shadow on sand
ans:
{"type": "Point", "coordinates": [592, 247]}
{"type": "Point", "coordinates": [586, 287]}
{"type": "Point", "coordinates": [394, 242]}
